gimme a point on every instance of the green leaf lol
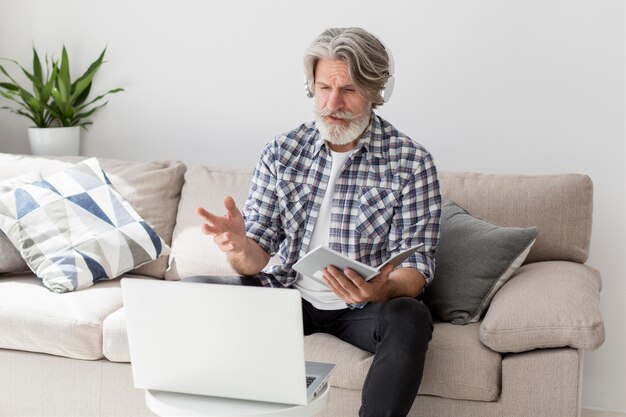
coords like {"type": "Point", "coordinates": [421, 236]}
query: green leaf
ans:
{"type": "Point", "coordinates": [47, 89]}
{"type": "Point", "coordinates": [58, 99]}
{"type": "Point", "coordinates": [48, 117]}
{"type": "Point", "coordinates": [63, 80]}
{"type": "Point", "coordinates": [7, 74]}
{"type": "Point", "coordinates": [84, 81]}
{"type": "Point", "coordinates": [54, 112]}
{"type": "Point", "coordinates": [25, 95]}
{"type": "Point", "coordinates": [8, 108]}
{"type": "Point", "coordinates": [79, 87]}
{"type": "Point", "coordinates": [60, 93]}
{"type": "Point", "coordinates": [37, 84]}
{"type": "Point", "coordinates": [9, 86]}
{"type": "Point", "coordinates": [12, 96]}
{"type": "Point", "coordinates": [21, 113]}
{"type": "Point", "coordinates": [90, 112]}
{"type": "Point", "coordinates": [84, 125]}
{"type": "Point", "coordinates": [83, 96]}
{"type": "Point", "coordinates": [34, 104]}
{"type": "Point", "coordinates": [37, 67]}
{"type": "Point", "coordinates": [115, 90]}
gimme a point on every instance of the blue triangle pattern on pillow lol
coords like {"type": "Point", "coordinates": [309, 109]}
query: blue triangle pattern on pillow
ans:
{"type": "Point", "coordinates": [84, 176]}
{"type": "Point", "coordinates": [97, 271]}
{"type": "Point", "coordinates": [156, 241]}
{"type": "Point", "coordinates": [85, 201]}
{"type": "Point", "coordinates": [66, 263]}
{"type": "Point", "coordinates": [106, 178]}
{"type": "Point", "coordinates": [24, 203]}
{"type": "Point", "coordinates": [122, 216]}
{"type": "Point", "coordinates": [45, 184]}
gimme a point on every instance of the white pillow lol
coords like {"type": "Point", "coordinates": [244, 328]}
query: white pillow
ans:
{"type": "Point", "coordinates": [73, 228]}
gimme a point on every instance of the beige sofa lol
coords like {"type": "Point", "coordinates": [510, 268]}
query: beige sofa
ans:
{"type": "Point", "coordinates": [67, 354]}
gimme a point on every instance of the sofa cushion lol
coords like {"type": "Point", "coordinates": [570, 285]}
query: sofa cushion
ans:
{"type": "Point", "coordinates": [546, 305]}
{"type": "Point", "coordinates": [34, 319]}
{"type": "Point", "coordinates": [474, 259]}
{"type": "Point", "coordinates": [73, 228]}
{"type": "Point", "coordinates": [457, 365]}
{"type": "Point", "coordinates": [115, 337]}
{"type": "Point", "coordinates": [194, 253]}
{"type": "Point", "coordinates": [560, 206]}
{"type": "Point", "coordinates": [140, 183]}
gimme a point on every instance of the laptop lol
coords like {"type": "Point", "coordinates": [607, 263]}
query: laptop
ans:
{"type": "Point", "coordinates": [228, 341]}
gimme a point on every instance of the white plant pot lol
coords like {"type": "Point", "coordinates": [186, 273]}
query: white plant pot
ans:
{"type": "Point", "coordinates": [60, 141]}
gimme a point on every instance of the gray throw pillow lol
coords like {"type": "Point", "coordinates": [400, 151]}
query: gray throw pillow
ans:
{"type": "Point", "coordinates": [10, 258]}
{"type": "Point", "coordinates": [473, 261]}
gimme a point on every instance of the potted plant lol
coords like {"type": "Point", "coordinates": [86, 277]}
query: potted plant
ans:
{"type": "Point", "coordinates": [57, 106]}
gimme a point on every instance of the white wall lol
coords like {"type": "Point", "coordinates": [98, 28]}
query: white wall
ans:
{"type": "Point", "coordinates": [527, 87]}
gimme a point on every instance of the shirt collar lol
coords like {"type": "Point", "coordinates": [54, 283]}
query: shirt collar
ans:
{"type": "Point", "coordinates": [371, 140]}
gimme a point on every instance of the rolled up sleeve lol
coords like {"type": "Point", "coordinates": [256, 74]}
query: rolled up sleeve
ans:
{"type": "Point", "coordinates": [261, 212]}
{"type": "Point", "coordinates": [416, 219]}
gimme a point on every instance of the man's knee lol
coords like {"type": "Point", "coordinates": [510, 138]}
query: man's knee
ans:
{"type": "Point", "coordinates": [407, 316]}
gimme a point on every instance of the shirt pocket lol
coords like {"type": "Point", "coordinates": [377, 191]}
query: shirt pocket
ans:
{"type": "Point", "coordinates": [293, 202]}
{"type": "Point", "coordinates": [376, 208]}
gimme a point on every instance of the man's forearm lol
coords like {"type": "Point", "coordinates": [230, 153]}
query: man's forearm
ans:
{"type": "Point", "coordinates": [250, 261]}
{"type": "Point", "coordinates": [406, 282]}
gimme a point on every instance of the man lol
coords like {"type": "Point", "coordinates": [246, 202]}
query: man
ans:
{"type": "Point", "coordinates": [352, 182]}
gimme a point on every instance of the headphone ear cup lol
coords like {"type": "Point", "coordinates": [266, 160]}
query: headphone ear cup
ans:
{"type": "Point", "coordinates": [388, 90]}
{"type": "Point", "coordinates": [308, 87]}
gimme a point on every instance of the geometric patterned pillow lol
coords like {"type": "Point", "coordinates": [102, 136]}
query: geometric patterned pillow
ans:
{"type": "Point", "coordinates": [73, 228]}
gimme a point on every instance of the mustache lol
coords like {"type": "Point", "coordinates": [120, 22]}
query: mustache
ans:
{"type": "Point", "coordinates": [345, 115]}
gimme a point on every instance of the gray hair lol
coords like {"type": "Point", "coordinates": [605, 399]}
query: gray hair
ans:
{"type": "Point", "coordinates": [367, 59]}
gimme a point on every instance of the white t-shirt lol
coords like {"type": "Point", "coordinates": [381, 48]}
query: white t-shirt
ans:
{"type": "Point", "coordinates": [320, 296]}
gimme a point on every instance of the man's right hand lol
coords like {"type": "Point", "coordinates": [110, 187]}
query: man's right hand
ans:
{"type": "Point", "coordinates": [229, 230]}
{"type": "Point", "coordinates": [229, 234]}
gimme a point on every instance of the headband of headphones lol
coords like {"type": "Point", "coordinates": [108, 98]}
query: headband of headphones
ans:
{"type": "Point", "coordinates": [385, 92]}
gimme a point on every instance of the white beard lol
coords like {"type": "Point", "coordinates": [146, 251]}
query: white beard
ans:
{"type": "Point", "coordinates": [340, 134]}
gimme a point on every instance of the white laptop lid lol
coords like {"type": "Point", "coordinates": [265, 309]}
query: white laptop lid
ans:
{"type": "Point", "coordinates": [218, 340]}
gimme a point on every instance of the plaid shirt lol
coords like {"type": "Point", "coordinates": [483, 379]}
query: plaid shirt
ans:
{"type": "Point", "coordinates": [386, 199]}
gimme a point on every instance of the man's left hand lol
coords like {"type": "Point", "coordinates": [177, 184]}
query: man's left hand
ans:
{"type": "Point", "coordinates": [353, 289]}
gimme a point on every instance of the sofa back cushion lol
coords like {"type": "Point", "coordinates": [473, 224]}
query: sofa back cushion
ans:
{"type": "Point", "coordinates": [560, 206]}
{"type": "Point", "coordinates": [152, 189]}
{"type": "Point", "coordinates": [192, 252]}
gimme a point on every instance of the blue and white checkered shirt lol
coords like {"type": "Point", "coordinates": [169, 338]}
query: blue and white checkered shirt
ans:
{"type": "Point", "coordinates": [386, 199]}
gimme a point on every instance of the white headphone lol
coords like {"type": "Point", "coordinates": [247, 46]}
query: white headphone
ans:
{"type": "Point", "coordinates": [387, 88]}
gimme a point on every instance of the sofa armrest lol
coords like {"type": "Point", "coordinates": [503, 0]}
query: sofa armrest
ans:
{"type": "Point", "coordinates": [546, 305]}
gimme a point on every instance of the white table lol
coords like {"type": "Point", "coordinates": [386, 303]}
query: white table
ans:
{"type": "Point", "coordinates": [169, 404]}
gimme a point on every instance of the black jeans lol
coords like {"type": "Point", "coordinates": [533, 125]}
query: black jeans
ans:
{"type": "Point", "coordinates": [397, 332]}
